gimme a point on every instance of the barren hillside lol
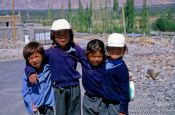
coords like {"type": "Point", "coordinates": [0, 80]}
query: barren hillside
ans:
{"type": "Point", "coordinates": [56, 4]}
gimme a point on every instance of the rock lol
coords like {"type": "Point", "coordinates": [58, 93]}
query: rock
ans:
{"type": "Point", "coordinates": [152, 73]}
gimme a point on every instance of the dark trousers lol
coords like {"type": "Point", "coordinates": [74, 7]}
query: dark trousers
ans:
{"type": "Point", "coordinates": [68, 100]}
{"type": "Point", "coordinates": [112, 107]}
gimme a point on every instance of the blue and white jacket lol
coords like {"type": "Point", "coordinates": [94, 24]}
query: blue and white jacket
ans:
{"type": "Point", "coordinates": [39, 94]}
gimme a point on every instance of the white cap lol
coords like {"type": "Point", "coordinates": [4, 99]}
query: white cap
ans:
{"type": "Point", "coordinates": [116, 40]}
{"type": "Point", "coordinates": [60, 24]}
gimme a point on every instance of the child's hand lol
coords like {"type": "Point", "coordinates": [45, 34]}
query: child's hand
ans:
{"type": "Point", "coordinates": [33, 78]}
{"type": "Point", "coordinates": [131, 76]}
{"type": "Point", "coordinates": [121, 114]}
{"type": "Point", "coordinates": [34, 108]}
{"type": "Point", "coordinates": [131, 79]}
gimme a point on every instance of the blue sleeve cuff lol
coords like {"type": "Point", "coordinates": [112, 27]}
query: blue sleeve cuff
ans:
{"type": "Point", "coordinates": [124, 109]}
{"type": "Point", "coordinates": [29, 70]}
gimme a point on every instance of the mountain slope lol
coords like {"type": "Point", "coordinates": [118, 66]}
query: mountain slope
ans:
{"type": "Point", "coordinates": [57, 4]}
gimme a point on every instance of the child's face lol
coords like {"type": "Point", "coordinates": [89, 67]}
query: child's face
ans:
{"type": "Point", "coordinates": [115, 52]}
{"type": "Point", "coordinates": [95, 59]}
{"type": "Point", "coordinates": [35, 60]}
{"type": "Point", "coordinates": [62, 38]}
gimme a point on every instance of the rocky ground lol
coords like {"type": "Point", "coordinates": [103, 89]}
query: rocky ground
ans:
{"type": "Point", "coordinates": [154, 95]}
{"type": "Point", "coordinates": [10, 50]}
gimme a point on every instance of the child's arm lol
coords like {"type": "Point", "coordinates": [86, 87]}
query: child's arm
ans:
{"type": "Point", "coordinates": [31, 74]}
{"type": "Point", "coordinates": [29, 70]}
{"type": "Point", "coordinates": [124, 88]}
{"type": "Point", "coordinates": [80, 54]}
{"type": "Point", "coordinates": [26, 94]}
{"type": "Point", "coordinates": [33, 78]}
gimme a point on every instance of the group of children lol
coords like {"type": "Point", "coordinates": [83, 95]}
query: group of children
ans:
{"type": "Point", "coordinates": [51, 82]}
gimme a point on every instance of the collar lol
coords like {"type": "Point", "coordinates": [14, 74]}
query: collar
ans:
{"type": "Point", "coordinates": [113, 63]}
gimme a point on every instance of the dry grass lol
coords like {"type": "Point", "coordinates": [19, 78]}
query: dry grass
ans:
{"type": "Point", "coordinates": [141, 40]}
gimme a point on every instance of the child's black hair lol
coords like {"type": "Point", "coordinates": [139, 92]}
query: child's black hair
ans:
{"type": "Point", "coordinates": [95, 45]}
{"type": "Point", "coordinates": [125, 49]}
{"type": "Point", "coordinates": [31, 48]}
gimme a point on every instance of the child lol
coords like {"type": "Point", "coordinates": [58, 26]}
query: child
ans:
{"type": "Point", "coordinates": [92, 77]}
{"type": "Point", "coordinates": [63, 58]}
{"type": "Point", "coordinates": [116, 76]}
{"type": "Point", "coordinates": [38, 98]}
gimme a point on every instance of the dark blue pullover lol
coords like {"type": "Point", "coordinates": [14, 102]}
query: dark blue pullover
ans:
{"type": "Point", "coordinates": [117, 83]}
{"type": "Point", "coordinates": [62, 65]}
{"type": "Point", "coordinates": [92, 79]}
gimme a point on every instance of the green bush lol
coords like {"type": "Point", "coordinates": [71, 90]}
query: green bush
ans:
{"type": "Point", "coordinates": [165, 24]}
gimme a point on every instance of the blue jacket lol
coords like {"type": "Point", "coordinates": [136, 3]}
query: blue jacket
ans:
{"type": "Point", "coordinates": [92, 79]}
{"type": "Point", "coordinates": [62, 65]}
{"type": "Point", "coordinates": [39, 94]}
{"type": "Point", "coordinates": [117, 83]}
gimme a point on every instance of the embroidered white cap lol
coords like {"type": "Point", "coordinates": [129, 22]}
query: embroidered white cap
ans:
{"type": "Point", "coordinates": [116, 40]}
{"type": "Point", "coordinates": [60, 24]}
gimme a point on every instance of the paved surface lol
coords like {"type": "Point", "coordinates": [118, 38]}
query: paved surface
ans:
{"type": "Point", "coordinates": [11, 102]}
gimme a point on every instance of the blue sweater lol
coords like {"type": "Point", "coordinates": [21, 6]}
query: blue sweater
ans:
{"type": "Point", "coordinates": [62, 65]}
{"type": "Point", "coordinates": [39, 94]}
{"type": "Point", "coordinates": [92, 79]}
{"type": "Point", "coordinates": [117, 83]}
